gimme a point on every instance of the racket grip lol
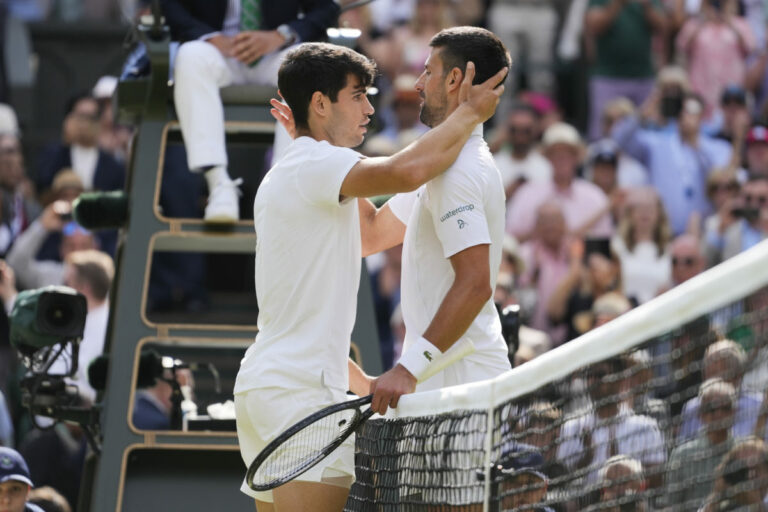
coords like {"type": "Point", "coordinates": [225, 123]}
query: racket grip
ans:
{"type": "Point", "coordinates": [459, 350]}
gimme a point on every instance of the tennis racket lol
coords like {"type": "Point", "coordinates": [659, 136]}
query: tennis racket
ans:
{"type": "Point", "coordinates": [312, 439]}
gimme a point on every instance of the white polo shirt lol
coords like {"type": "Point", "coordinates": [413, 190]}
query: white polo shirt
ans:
{"type": "Point", "coordinates": [307, 271]}
{"type": "Point", "coordinates": [459, 209]}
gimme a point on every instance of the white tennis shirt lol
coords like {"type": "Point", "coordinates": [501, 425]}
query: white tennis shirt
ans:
{"type": "Point", "coordinates": [307, 271]}
{"type": "Point", "coordinates": [459, 209]}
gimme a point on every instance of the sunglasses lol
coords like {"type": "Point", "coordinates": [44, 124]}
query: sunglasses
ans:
{"type": "Point", "coordinates": [522, 130]}
{"type": "Point", "coordinates": [723, 187]}
{"type": "Point", "coordinates": [712, 408]}
{"type": "Point", "coordinates": [688, 261]}
{"type": "Point", "coordinates": [756, 200]}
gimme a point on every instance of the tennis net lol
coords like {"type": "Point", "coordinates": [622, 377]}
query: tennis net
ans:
{"type": "Point", "coordinates": [663, 408]}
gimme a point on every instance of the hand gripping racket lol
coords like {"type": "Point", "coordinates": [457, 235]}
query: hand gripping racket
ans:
{"type": "Point", "coordinates": [312, 439]}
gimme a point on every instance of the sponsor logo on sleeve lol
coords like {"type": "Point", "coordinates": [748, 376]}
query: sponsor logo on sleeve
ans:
{"type": "Point", "coordinates": [461, 223]}
{"type": "Point", "coordinates": [456, 211]}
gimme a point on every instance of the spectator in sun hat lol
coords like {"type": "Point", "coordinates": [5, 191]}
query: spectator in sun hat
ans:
{"type": "Point", "coordinates": [584, 204]}
{"type": "Point", "coordinates": [15, 482]}
{"type": "Point", "coordinates": [523, 484]}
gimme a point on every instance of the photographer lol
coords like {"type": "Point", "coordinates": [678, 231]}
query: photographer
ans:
{"type": "Point", "coordinates": [750, 220]}
{"type": "Point", "coordinates": [55, 218]}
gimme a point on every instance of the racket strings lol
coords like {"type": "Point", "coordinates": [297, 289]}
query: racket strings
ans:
{"type": "Point", "coordinates": [300, 451]}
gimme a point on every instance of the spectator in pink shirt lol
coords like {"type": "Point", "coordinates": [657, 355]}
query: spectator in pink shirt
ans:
{"type": "Point", "coordinates": [547, 261]}
{"type": "Point", "coordinates": [584, 205]}
{"type": "Point", "coordinates": [716, 45]}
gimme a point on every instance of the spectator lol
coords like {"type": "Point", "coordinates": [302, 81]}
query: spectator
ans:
{"type": "Point", "coordinates": [687, 259]}
{"type": "Point", "coordinates": [152, 408]}
{"type": "Point", "coordinates": [405, 48]}
{"type": "Point", "coordinates": [677, 161]}
{"type": "Point", "coordinates": [89, 272]}
{"type": "Point", "coordinates": [547, 257]}
{"type": "Point", "coordinates": [735, 119]}
{"type": "Point", "coordinates": [662, 108]}
{"type": "Point", "coordinates": [692, 464]}
{"type": "Point", "coordinates": [609, 306]}
{"type": "Point", "coordinates": [742, 478]}
{"type": "Point", "coordinates": [757, 151]}
{"type": "Point", "coordinates": [114, 139]}
{"type": "Point", "coordinates": [641, 245]}
{"type": "Point", "coordinates": [751, 224]}
{"type": "Point", "coordinates": [614, 172]}
{"type": "Point", "coordinates": [49, 499]}
{"type": "Point", "coordinates": [584, 205]}
{"type": "Point", "coordinates": [79, 150]}
{"type": "Point", "coordinates": [523, 483]}
{"type": "Point", "coordinates": [593, 272]}
{"type": "Point", "coordinates": [35, 274]}
{"type": "Point", "coordinates": [723, 191]}
{"type": "Point", "coordinates": [640, 383]}
{"type": "Point", "coordinates": [519, 161]}
{"type": "Point", "coordinates": [622, 32]}
{"type": "Point", "coordinates": [15, 482]}
{"type": "Point", "coordinates": [607, 429]}
{"type": "Point", "coordinates": [725, 360]}
{"type": "Point", "coordinates": [406, 107]}
{"type": "Point", "coordinates": [227, 43]}
{"type": "Point", "coordinates": [527, 29]}
{"type": "Point", "coordinates": [19, 207]}
{"type": "Point", "coordinates": [716, 44]}
{"type": "Point", "coordinates": [541, 429]}
{"type": "Point", "coordinates": [622, 484]}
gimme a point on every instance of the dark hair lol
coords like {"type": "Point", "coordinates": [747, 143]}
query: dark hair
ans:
{"type": "Point", "coordinates": [460, 45]}
{"type": "Point", "coordinates": [73, 100]}
{"type": "Point", "coordinates": [524, 108]}
{"type": "Point", "coordinates": [320, 67]}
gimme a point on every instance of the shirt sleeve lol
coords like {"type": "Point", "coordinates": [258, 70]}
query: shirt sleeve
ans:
{"type": "Point", "coordinates": [402, 204]}
{"type": "Point", "coordinates": [458, 211]}
{"type": "Point", "coordinates": [320, 182]}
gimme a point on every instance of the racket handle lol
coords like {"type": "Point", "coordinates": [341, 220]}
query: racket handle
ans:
{"type": "Point", "coordinates": [458, 351]}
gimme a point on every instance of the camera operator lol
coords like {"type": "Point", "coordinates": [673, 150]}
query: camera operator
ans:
{"type": "Point", "coordinates": [750, 224]}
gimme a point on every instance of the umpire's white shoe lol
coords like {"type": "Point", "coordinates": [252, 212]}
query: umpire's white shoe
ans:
{"type": "Point", "coordinates": [224, 203]}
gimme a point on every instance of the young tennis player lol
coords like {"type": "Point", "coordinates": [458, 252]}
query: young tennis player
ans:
{"type": "Point", "coordinates": [308, 255]}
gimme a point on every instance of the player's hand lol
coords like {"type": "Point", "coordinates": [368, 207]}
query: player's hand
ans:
{"type": "Point", "coordinates": [388, 388]}
{"type": "Point", "coordinates": [7, 282]}
{"type": "Point", "coordinates": [222, 43]}
{"type": "Point", "coordinates": [482, 98]}
{"type": "Point", "coordinates": [252, 44]}
{"type": "Point", "coordinates": [283, 115]}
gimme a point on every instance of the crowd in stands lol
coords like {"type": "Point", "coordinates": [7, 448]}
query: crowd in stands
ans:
{"type": "Point", "coordinates": [633, 148]}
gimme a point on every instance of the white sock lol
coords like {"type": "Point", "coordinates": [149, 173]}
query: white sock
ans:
{"type": "Point", "coordinates": [216, 174]}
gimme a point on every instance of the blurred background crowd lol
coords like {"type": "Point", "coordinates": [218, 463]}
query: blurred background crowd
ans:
{"type": "Point", "coordinates": [632, 142]}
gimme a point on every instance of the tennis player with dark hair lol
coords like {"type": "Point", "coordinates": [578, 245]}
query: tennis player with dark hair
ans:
{"type": "Point", "coordinates": [308, 255]}
{"type": "Point", "coordinates": [455, 229]}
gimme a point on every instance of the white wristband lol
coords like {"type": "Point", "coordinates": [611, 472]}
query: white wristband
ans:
{"type": "Point", "coordinates": [419, 357]}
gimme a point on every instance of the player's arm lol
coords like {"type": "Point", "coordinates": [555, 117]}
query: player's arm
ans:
{"type": "Point", "coordinates": [470, 290]}
{"type": "Point", "coordinates": [432, 153]}
{"type": "Point", "coordinates": [359, 381]}
{"type": "Point", "coordinates": [380, 229]}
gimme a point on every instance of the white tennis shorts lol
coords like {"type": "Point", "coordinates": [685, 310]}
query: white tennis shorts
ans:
{"type": "Point", "coordinates": [263, 414]}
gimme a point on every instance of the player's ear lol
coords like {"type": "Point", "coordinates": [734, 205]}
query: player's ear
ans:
{"type": "Point", "coordinates": [453, 79]}
{"type": "Point", "coordinates": [319, 104]}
